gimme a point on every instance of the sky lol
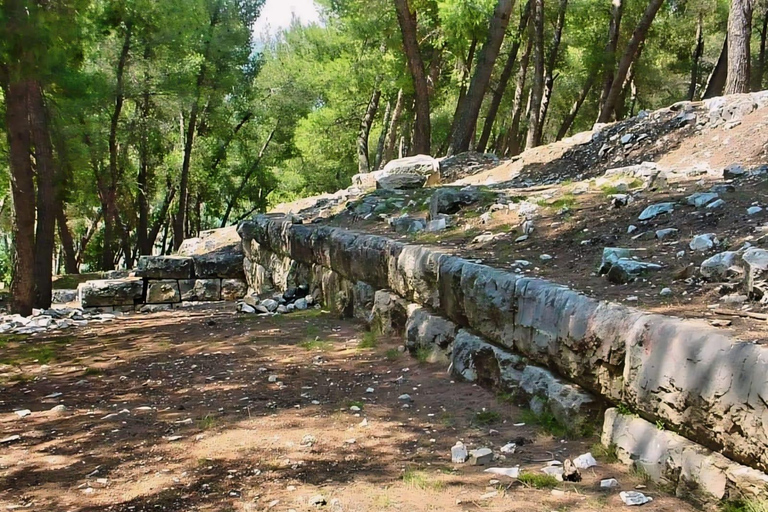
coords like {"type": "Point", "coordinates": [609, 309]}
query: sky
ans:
{"type": "Point", "coordinates": [277, 14]}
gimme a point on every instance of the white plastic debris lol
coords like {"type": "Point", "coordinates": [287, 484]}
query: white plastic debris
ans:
{"type": "Point", "coordinates": [459, 454]}
{"type": "Point", "coordinates": [510, 472]}
{"type": "Point", "coordinates": [609, 483]}
{"type": "Point", "coordinates": [508, 448]}
{"type": "Point", "coordinates": [585, 461]}
{"type": "Point", "coordinates": [634, 498]}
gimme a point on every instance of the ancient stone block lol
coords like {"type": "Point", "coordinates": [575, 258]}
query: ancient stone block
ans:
{"type": "Point", "coordinates": [110, 292]}
{"type": "Point", "coordinates": [165, 267]}
{"type": "Point", "coordinates": [163, 292]}
{"type": "Point", "coordinates": [200, 289]}
{"type": "Point", "coordinates": [233, 289]}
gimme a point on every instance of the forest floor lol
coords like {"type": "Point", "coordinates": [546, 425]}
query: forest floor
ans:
{"type": "Point", "coordinates": [205, 410]}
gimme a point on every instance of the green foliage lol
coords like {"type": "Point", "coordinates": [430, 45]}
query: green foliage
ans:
{"type": "Point", "coordinates": [417, 479]}
{"type": "Point", "coordinates": [316, 345]}
{"type": "Point", "coordinates": [538, 480]}
{"type": "Point", "coordinates": [486, 417]}
{"type": "Point", "coordinates": [745, 505]}
{"type": "Point", "coordinates": [370, 340]}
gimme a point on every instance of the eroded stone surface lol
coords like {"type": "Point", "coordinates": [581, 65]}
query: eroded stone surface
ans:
{"type": "Point", "coordinates": [233, 289]}
{"type": "Point", "coordinates": [200, 289]}
{"type": "Point", "coordinates": [163, 292]}
{"type": "Point", "coordinates": [110, 292]}
{"type": "Point", "coordinates": [165, 267]}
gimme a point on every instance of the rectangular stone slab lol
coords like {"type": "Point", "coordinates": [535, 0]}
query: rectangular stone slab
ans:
{"type": "Point", "coordinates": [110, 292]}
{"type": "Point", "coordinates": [164, 291]}
{"type": "Point", "coordinates": [203, 290]}
{"type": "Point", "coordinates": [221, 264]}
{"type": "Point", "coordinates": [233, 289]}
{"type": "Point", "coordinates": [165, 267]}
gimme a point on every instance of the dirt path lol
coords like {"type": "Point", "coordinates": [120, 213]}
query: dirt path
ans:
{"type": "Point", "coordinates": [203, 410]}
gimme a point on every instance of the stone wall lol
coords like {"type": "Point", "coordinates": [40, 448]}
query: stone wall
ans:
{"type": "Point", "coordinates": [685, 375]}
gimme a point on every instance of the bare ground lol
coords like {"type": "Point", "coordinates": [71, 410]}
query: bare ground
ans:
{"type": "Point", "coordinates": [178, 411]}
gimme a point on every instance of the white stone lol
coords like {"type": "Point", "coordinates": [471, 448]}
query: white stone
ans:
{"type": "Point", "coordinates": [704, 242]}
{"type": "Point", "coordinates": [754, 210]}
{"type": "Point", "coordinates": [655, 210]}
{"type": "Point", "coordinates": [23, 413]}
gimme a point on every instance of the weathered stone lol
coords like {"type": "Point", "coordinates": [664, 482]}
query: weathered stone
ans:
{"type": "Point", "coordinates": [700, 199]}
{"type": "Point", "coordinates": [704, 242]}
{"type": "Point", "coordinates": [480, 457]}
{"type": "Point", "coordinates": [405, 224]}
{"type": "Point", "coordinates": [459, 454]}
{"type": "Point", "coordinates": [225, 240]}
{"type": "Point", "coordinates": [165, 267]}
{"type": "Point", "coordinates": [655, 210]}
{"type": "Point", "coordinates": [222, 264]}
{"type": "Point", "coordinates": [363, 295]}
{"type": "Point", "coordinates": [696, 473]}
{"type": "Point", "coordinates": [63, 296]}
{"type": "Point", "coordinates": [449, 200]}
{"type": "Point", "coordinates": [233, 289]}
{"type": "Point", "coordinates": [418, 164]}
{"type": "Point", "coordinates": [401, 181]}
{"type": "Point", "coordinates": [270, 305]}
{"type": "Point", "coordinates": [200, 289]}
{"type": "Point", "coordinates": [110, 292]}
{"type": "Point", "coordinates": [389, 314]}
{"type": "Point", "coordinates": [661, 234]}
{"type": "Point", "coordinates": [720, 266]}
{"type": "Point", "coordinates": [163, 292]}
{"type": "Point", "coordinates": [425, 330]}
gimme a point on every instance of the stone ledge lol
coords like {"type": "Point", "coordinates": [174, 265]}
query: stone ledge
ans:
{"type": "Point", "coordinates": [683, 373]}
{"type": "Point", "coordinates": [696, 473]}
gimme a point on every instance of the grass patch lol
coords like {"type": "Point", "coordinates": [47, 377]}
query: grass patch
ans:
{"type": "Point", "coordinates": [28, 351]}
{"type": "Point", "coordinates": [370, 340]}
{"type": "Point", "coordinates": [566, 201]}
{"type": "Point", "coordinates": [745, 505]}
{"type": "Point", "coordinates": [207, 422]}
{"type": "Point", "coordinates": [538, 480]}
{"type": "Point", "coordinates": [447, 419]}
{"type": "Point", "coordinates": [316, 345]}
{"type": "Point", "coordinates": [353, 403]}
{"type": "Point", "coordinates": [313, 331]}
{"type": "Point", "coordinates": [423, 354]}
{"type": "Point", "coordinates": [486, 418]}
{"type": "Point", "coordinates": [393, 354]}
{"type": "Point", "coordinates": [605, 454]}
{"type": "Point", "coordinates": [420, 480]}
{"type": "Point", "coordinates": [92, 371]}
{"type": "Point", "coordinates": [502, 228]}
{"type": "Point", "coordinates": [547, 422]}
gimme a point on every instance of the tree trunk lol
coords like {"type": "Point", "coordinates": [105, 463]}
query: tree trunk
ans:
{"type": "Point", "coordinates": [571, 116]}
{"type": "Point", "coordinates": [383, 137]}
{"type": "Point", "coordinates": [244, 181]}
{"type": "Point", "coordinates": [537, 87]}
{"type": "Point", "coordinates": [513, 137]}
{"type": "Point", "coordinates": [609, 59]}
{"type": "Point", "coordinates": [363, 158]}
{"type": "Point", "coordinates": [698, 51]}
{"type": "Point", "coordinates": [67, 242]}
{"type": "Point", "coordinates": [465, 128]}
{"type": "Point", "coordinates": [465, 72]}
{"type": "Point", "coordinates": [86, 238]}
{"type": "Point", "coordinates": [45, 236]}
{"type": "Point", "coordinates": [23, 190]}
{"type": "Point", "coordinates": [739, 34]}
{"type": "Point", "coordinates": [608, 108]}
{"type": "Point", "coordinates": [549, 78]}
{"type": "Point", "coordinates": [391, 143]}
{"type": "Point", "coordinates": [716, 81]}
{"type": "Point", "coordinates": [628, 87]}
{"type": "Point", "coordinates": [757, 76]}
{"type": "Point", "coordinates": [180, 223]}
{"type": "Point", "coordinates": [506, 74]}
{"type": "Point", "coordinates": [423, 130]}
{"type": "Point", "coordinates": [145, 176]}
